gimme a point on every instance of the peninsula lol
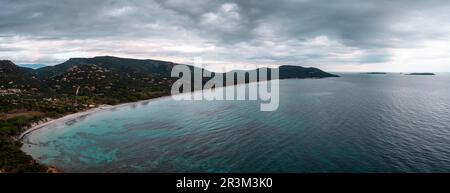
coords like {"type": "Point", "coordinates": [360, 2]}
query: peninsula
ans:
{"type": "Point", "coordinates": [421, 74]}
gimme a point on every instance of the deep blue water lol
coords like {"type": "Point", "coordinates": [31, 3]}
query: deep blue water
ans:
{"type": "Point", "coordinates": [356, 123]}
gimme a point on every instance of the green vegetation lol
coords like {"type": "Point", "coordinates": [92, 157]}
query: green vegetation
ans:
{"type": "Point", "coordinates": [12, 159]}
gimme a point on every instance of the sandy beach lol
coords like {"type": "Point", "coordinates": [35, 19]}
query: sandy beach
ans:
{"type": "Point", "coordinates": [75, 116]}
{"type": "Point", "coordinates": [69, 117]}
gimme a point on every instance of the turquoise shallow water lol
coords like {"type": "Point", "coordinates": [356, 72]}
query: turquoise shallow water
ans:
{"type": "Point", "coordinates": [356, 123]}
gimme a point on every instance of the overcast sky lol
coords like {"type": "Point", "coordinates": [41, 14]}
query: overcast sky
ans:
{"type": "Point", "coordinates": [335, 35]}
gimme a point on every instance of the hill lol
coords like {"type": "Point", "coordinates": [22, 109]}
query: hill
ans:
{"type": "Point", "coordinates": [158, 68]}
{"type": "Point", "coordinates": [15, 77]}
{"type": "Point", "coordinates": [111, 80]}
{"type": "Point", "coordinates": [125, 65]}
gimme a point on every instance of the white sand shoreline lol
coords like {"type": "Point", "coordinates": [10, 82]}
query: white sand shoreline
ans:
{"type": "Point", "coordinates": [65, 118]}
{"type": "Point", "coordinates": [91, 111]}
{"type": "Point", "coordinates": [78, 115]}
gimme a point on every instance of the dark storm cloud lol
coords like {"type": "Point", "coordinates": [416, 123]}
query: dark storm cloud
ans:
{"type": "Point", "coordinates": [352, 21]}
{"type": "Point", "coordinates": [315, 32]}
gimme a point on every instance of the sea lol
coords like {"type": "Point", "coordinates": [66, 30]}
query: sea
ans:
{"type": "Point", "coordinates": [357, 123]}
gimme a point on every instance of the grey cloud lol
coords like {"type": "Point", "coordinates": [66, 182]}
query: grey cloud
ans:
{"type": "Point", "coordinates": [252, 30]}
{"type": "Point", "coordinates": [355, 22]}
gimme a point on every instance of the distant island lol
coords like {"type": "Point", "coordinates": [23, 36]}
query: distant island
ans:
{"type": "Point", "coordinates": [421, 74]}
{"type": "Point", "coordinates": [376, 73]}
{"type": "Point", "coordinates": [32, 96]}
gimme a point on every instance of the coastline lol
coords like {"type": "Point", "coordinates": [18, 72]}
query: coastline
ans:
{"type": "Point", "coordinates": [103, 107]}
{"type": "Point", "coordinates": [49, 121]}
